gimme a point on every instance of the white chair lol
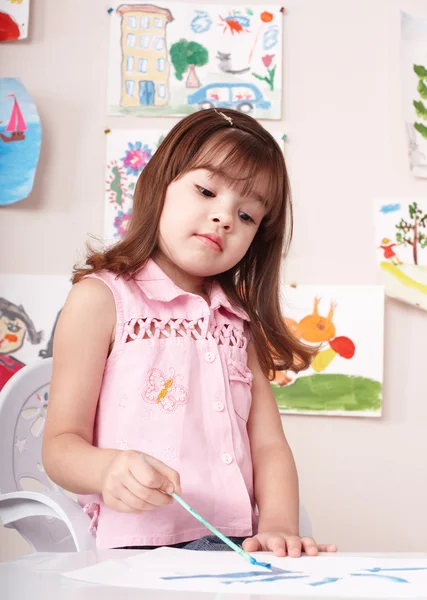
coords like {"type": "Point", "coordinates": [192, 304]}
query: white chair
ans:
{"type": "Point", "coordinates": [49, 519]}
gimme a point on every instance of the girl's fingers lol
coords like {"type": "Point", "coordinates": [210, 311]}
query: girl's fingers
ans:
{"type": "Point", "coordinates": [291, 546]}
{"type": "Point", "coordinates": [294, 546]}
{"type": "Point", "coordinates": [147, 476]}
{"type": "Point", "coordinates": [171, 475]}
{"type": "Point", "coordinates": [152, 473]}
{"type": "Point", "coordinates": [278, 546]}
{"type": "Point", "coordinates": [119, 504]}
{"type": "Point", "coordinates": [252, 545]}
{"type": "Point", "coordinates": [148, 495]}
{"type": "Point", "coordinates": [309, 546]}
{"type": "Point", "coordinates": [133, 502]}
{"type": "Point", "coordinates": [327, 548]}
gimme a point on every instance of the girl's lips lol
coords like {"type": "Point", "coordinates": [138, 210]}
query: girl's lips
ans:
{"type": "Point", "coordinates": [205, 239]}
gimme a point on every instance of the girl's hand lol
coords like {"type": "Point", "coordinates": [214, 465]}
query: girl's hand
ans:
{"type": "Point", "coordinates": [137, 483]}
{"type": "Point", "coordinates": [283, 544]}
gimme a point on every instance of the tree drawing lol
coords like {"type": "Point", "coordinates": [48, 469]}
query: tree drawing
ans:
{"type": "Point", "coordinates": [411, 233]}
{"type": "Point", "coordinates": [187, 56]}
{"type": "Point", "coordinates": [419, 106]}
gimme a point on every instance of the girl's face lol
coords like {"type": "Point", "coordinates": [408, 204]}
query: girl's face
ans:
{"type": "Point", "coordinates": [206, 226]}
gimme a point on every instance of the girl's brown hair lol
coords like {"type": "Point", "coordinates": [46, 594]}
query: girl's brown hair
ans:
{"type": "Point", "coordinates": [240, 151]}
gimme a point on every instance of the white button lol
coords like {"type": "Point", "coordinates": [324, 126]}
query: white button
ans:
{"type": "Point", "coordinates": [227, 458]}
{"type": "Point", "coordinates": [210, 356]}
{"type": "Point", "coordinates": [219, 406]}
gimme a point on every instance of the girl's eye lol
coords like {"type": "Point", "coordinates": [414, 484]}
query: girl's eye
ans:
{"type": "Point", "coordinates": [13, 328]}
{"type": "Point", "coordinates": [245, 217]}
{"type": "Point", "coordinates": [205, 192]}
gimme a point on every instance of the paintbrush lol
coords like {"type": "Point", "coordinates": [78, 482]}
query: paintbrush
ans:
{"type": "Point", "coordinates": [221, 536]}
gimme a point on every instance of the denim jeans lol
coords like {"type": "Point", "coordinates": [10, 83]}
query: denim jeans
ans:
{"type": "Point", "coordinates": [209, 542]}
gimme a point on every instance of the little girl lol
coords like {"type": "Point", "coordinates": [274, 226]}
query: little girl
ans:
{"type": "Point", "coordinates": [163, 350]}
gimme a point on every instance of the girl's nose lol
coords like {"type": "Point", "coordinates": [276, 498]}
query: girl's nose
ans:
{"type": "Point", "coordinates": [225, 220]}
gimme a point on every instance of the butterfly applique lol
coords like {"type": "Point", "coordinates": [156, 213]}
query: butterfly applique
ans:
{"type": "Point", "coordinates": [164, 391]}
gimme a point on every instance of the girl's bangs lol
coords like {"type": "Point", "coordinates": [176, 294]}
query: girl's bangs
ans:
{"type": "Point", "coordinates": [247, 166]}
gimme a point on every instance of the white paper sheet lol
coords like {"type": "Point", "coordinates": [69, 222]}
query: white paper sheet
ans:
{"type": "Point", "coordinates": [345, 378]}
{"type": "Point", "coordinates": [413, 47]}
{"type": "Point", "coordinates": [226, 572]}
{"type": "Point", "coordinates": [31, 305]}
{"type": "Point", "coordinates": [128, 152]}
{"type": "Point", "coordinates": [401, 248]}
{"type": "Point", "coordinates": [173, 58]}
{"type": "Point", "coordinates": [16, 14]}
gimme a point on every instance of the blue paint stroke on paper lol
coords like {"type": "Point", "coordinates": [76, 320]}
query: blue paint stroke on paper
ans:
{"type": "Point", "coordinates": [379, 569]}
{"type": "Point", "coordinates": [240, 19]}
{"type": "Point", "coordinates": [271, 37]}
{"type": "Point", "coordinates": [325, 581]}
{"type": "Point", "coordinates": [249, 577]}
{"type": "Point", "coordinates": [388, 208]}
{"type": "Point", "coordinates": [238, 575]}
{"type": "Point", "coordinates": [389, 577]}
{"type": "Point", "coordinates": [266, 579]}
{"type": "Point", "coordinates": [202, 22]}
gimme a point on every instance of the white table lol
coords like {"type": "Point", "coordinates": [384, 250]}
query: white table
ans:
{"type": "Point", "coordinates": [38, 577]}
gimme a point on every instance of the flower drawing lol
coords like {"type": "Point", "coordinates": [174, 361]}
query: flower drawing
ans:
{"type": "Point", "coordinates": [136, 157]}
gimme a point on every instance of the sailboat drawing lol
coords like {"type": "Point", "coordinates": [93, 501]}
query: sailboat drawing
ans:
{"type": "Point", "coordinates": [16, 126]}
{"type": "Point", "coordinates": [19, 122]}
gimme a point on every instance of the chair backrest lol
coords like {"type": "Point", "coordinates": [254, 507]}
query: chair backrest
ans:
{"type": "Point", "coordinates": [23, 404]}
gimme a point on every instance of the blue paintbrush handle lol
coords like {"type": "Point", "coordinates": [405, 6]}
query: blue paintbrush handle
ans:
{"type": "Point", "coordinates": [221, 536]}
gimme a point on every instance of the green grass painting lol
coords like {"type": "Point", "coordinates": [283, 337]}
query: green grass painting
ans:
{"type": "Point", "coordinates": [330, 393]}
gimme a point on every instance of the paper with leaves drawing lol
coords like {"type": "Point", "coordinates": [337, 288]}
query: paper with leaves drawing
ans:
{"type": "Point", "coordinates": [413, 69]}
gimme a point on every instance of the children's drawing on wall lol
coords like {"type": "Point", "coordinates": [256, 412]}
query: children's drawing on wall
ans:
{"type": "Point", "coordinates": [414, 90]}
{"type": "Point", "coordinates": [14, 15]}
{"type": "Point", "coordinates": [128, 151]}
{"type": "Point", "coordinates": [20, 141]}
{"type": "Point", "coordinates": [29, 309]}
{"type": "Point", "coordinates": [174, 59]}
{"type": "Point", "coordinates": [401, 246]}
{"type": "Point", "coordinates": [15, 326]}
{"type": "Point", "coordinates": [346, 324]}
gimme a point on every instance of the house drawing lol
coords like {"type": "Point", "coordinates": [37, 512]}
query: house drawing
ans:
{"type": "Point", "coordinates": [145, 66]}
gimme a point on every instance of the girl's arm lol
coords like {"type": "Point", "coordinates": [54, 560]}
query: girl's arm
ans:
{"type": "Point", "coordinates": [81, 344]}
{"type": "Point", "coordinates": [275, 475]}
{"type": "Point", "coordinates": [83, 337]}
